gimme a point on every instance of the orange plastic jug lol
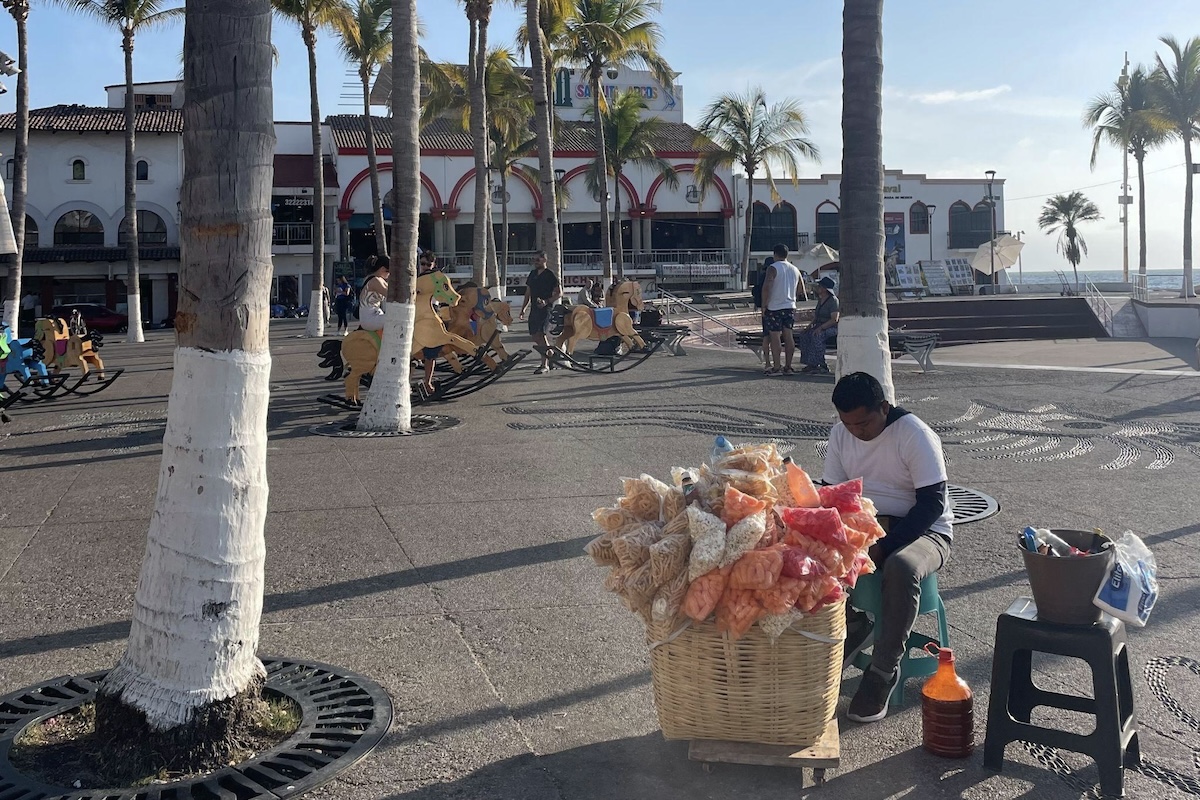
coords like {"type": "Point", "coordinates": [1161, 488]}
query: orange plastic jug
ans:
{"type": "Point", "coordinates": [947, 710]}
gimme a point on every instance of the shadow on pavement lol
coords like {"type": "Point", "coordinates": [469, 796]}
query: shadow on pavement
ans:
{"type": "Point", "coordinates": [317, 595]}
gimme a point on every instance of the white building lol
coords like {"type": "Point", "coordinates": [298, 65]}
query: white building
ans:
{"type": "Point", "coordinates": [660, 224]}
{"type": "Point", "coordinates": [924, 218]}
{"type": "Point", "coordinates": [75, 248]}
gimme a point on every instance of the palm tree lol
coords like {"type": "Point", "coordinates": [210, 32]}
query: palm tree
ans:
{"type": "Point", "coordinates": [604, 35]}
{"type": "Point", "coordinates": [388, 406]}
{"type": "Point", "coordinates": [742, 129]}
{"type": "Point", "coordinates": [1124, 118]}
{"type": "Point", "coordinates": [862, 331]}
{"type": "Point", "coordinates": [311, 16]}
{"type": "Point", "coordinates": [479, 14]}
{"type": "Point", "coordinates": [130, 17]}
{"type": "Point", "coordinates": [185, 686]}
{"type": "Point", "coordinates": [628, 139]}
{"type": "Point", "coordinates": [19, 9]}
{"type": "Point", "coordinates": [1176, 89]}
{"type": "Point", "coordinates": [509, 149]}
{"type": "Point", "coordinates": [548, 17]}
{"type": "Point", "coordinates": [509, 108]}
{"type": "Point", "coordinates": [1062, 214]}
{"type": "Point", "coordinates": [365, 36]}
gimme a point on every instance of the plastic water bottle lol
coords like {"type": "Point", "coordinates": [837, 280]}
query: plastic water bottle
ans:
{"type": "Point", "coordinates": [947, 710]}
{"type": "Point", "coordinates": [720, 447]}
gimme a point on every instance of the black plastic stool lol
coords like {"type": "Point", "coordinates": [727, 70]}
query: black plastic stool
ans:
{"type": "Point", "coordinates": [1113, 745]}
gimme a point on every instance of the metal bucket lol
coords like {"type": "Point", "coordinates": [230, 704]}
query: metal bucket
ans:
{"type": "Point", "coordinates": [1063, 588]}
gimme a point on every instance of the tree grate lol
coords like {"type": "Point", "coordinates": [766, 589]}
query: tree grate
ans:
{"type": "Point", "coordinates": [971, 505]}
{"type": "Point", "coordinates": [421, 423]}
{"type": "Point", "coordinates": [344, 716]}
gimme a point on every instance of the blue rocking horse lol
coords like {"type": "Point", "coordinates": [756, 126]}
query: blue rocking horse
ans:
{"type": "Point", "coordinates": [21, 358]}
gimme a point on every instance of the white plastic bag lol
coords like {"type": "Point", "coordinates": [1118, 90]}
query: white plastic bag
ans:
{"type": "Point", "coordinates": [1131, 589]}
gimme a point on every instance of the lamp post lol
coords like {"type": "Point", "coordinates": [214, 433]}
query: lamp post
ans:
{"type": "Point", "coordinates": [991, 176]}
{"type": "Point", "coordinates": [562, 250]}
{"type": "Point", "coordinates": [1020, 265]}
{"type": "Point", "coordinates": [930, 209]}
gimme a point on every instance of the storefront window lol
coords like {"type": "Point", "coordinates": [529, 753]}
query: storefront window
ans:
{"type": "Point", "coordinates": [918, 218]}
{"type": "Point", "coordinates": [79, 228]}
{"type": "Point", "coordinates": [829, 225]}
{"type": "Point", "coordinates": [773, 226]}
{"type": "Point", "coordinates": [151, 229]}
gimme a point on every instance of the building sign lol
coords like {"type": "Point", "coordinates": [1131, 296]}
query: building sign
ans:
{"type": "Point", "coordinates": [583, 91]}
{"type": "Point", "coordinates": [565, 94]}
{"type": "Point", "coordinates": [298, 202]}
{"type": "Point", "coordinates": [893, 241]}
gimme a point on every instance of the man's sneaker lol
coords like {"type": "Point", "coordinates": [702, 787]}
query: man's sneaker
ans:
{"type": "Point", "coordinates": [870, 703]}
{"type": "Point", "coordinates": [858, 638]}
{"type": "Point", "coordinates": [539, 370]}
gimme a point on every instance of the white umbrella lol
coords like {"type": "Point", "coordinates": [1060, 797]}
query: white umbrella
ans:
{"type": "Point", "coordinates": [1002, 252]}
{"type": "Point", "coordinates": [816, 257]}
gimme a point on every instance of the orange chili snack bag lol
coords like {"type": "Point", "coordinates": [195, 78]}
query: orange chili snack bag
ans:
{"type": "Point", "coordinates": [801, 487]}
{"type": "Point", "coordinates": [704, 593]}
{"type": "Point", "coordinates": [758, 569]}
{"type": "Point", "coordinates": [738, 610]}
{"type": "Point", "coordinates": [738, 506]}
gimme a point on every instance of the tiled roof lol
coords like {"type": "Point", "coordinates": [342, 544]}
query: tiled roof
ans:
{"type": "Point", "coordinates": [295, 171]}
{"type": "Point", "coordinates": [443, 134]}
{"type": "Point", "coordinates": [88, 119]}
{"type": "Point", "coordinates": [47, 255]}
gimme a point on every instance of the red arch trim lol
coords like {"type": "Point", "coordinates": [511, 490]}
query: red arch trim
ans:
{"type": "Point", "coordinates": [534, 191]}
{"type": "Point", "coordinates": [630, 191]}
{"type": "Point", "coordinates": [358, 179]}
{"type": "Point", "coordinates": [726, 199]}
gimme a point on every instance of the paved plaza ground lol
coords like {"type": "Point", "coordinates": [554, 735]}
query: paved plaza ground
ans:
{"type": "Point", "coordinates": [449, 567]}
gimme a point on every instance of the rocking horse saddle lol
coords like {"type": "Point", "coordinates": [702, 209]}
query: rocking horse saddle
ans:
{"type": "Point", "coordinates": [603, 317]}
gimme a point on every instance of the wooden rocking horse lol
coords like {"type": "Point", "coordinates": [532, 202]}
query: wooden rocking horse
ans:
{"type": "Point", "coordinates": [582, 322]}
{"type": "Point", "coordinates": [476, 318]}
{"type": "Point", "coordinates": [62, 348]}
{"type": "Point", "coordinates": [360, 348]}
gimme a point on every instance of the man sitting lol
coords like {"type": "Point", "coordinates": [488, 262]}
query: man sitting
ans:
{"type": "Point", "coordinates": [900, 461]}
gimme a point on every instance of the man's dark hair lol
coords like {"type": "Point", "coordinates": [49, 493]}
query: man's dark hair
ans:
{"type": "Point", "coordinates": [781, 251]}
{"type": "Point", "coordinates": [383, 261]}
{"type": "Point", "coordinates": [857, 390]}
{"type": "Point", "coordinates": [539, 253]}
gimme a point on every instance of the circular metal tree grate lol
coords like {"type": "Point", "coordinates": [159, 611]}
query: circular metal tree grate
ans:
{"type": "Point", "coordinates": [343, 717]}
{"type": "Point", "coordinates": [421, 423]}
{"type": "Point", "coordinates": [970, 505]}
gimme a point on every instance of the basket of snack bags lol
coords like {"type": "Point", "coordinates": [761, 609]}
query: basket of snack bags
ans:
{"type": "Point", "coordinates": [739, 568]}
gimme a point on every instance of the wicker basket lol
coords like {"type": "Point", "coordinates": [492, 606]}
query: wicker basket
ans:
{"type": "Point", "coordinates": [752, 690]}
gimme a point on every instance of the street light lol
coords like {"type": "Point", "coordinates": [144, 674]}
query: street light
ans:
{"type": "Point", "coordinates": [1020, 264]}
{"type": "Point", "coordinates": [991, 176]}
{"type": "Point", "coordinates": [930, 209]}
{"type": "Point", "coordinates": [558, 178]}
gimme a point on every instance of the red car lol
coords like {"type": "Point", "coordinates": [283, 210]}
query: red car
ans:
{"type": "Point", "coordinates": [95, 316]}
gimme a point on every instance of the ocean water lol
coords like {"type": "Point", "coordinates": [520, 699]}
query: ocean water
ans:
{"type": "Point", "coordinates": [1155, 279]}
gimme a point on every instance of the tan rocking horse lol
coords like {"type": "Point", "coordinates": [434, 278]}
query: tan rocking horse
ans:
{"type": "Point", "coordinates": [581, 321]}
{"type": "Point", "coordinates": [360, 348]}
{"type": "Point", "coordinates": [62, 348]}
{"type": "Point", "coordinates": [478, 306]}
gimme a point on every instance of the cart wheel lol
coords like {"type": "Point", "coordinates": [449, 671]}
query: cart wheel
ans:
{"type": "Point", "coordinates": [818, 777]}
{"type": "Point", "coordinates": [706, 766]}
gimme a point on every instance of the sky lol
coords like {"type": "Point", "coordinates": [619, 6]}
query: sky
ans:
{"type": "Point", "coordinates": [968, 86]}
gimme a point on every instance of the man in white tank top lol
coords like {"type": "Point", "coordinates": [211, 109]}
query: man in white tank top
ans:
{"type": "Point", "coordinates": [779, 292]}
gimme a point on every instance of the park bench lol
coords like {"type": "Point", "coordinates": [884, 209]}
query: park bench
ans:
{"type": "Point", "coordinates": [730, 299]}
{"type": "Point", "coordinates": [900, 343]}
{"type": "Point", "coordinates": [672, 336]}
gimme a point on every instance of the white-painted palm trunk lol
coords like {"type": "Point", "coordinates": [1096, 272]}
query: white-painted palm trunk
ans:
{"type": "Point", "coordinates": [134, 331]}
{"type": "Point", "coordinates": [316, 316]}
{"type": "Point", "coordinates": [199, 598]}
{"type": "Point", "coordinates": [388, 406]}
{"type": "Point", "coordinates": [8, 244]}
{"type": "Point", "coordinates": [862, 346]}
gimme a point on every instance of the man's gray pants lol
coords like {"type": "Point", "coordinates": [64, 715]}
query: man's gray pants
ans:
{"type": "Point", "coordinates": [902, 573]}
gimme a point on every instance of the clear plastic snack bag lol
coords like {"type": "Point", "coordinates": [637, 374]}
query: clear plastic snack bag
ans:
{"type": "Point", "coordinates": [1131, 589]}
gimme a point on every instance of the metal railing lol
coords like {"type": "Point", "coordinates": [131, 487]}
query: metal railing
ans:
{"type": "Point", "coordinates": [704, 325]}
{"type": "Point", "coordinates": [1141, 290]}
{"type": "Point", "coordinates": [1099, 304]}
{"type": "Point", "coordinates": [292, 233]}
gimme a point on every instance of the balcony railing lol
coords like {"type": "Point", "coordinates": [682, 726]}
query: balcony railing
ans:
{"type": "Point", "coordinates": [292, 233]}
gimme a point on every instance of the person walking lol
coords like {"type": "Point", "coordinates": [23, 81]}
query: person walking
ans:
{"type": "Point", "coordinates": [542, 290]}
{"type": "Point", "coordinates": [780, 286]}
{"type": "Point", "coordinates": [825, 319]}
{"type": "Point", "coordinates": [29, 307]}
{"type": "Point", "coordinates": [343, 302]}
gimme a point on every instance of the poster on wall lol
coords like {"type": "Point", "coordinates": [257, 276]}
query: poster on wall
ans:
{"type": "Point", "coordinates": [893, 242]}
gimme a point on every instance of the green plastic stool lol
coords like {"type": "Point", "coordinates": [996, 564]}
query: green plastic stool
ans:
{"type": "Point", "coordinates": [867, 596]}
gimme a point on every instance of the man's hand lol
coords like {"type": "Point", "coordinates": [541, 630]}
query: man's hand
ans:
{"type": "Point", "coordinates": [540, 302]}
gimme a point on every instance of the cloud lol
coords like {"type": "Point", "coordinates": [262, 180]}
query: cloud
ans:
{"type": "Point", "coordinates": [954, 96]}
